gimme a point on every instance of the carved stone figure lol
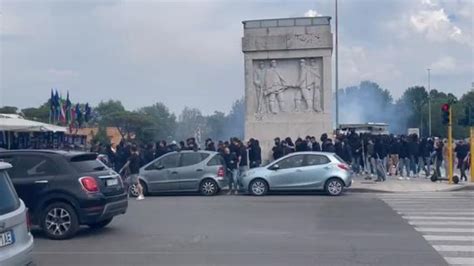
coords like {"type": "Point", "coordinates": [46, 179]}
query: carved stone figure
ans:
{"type": "Point", "coordinates": [304, 89]}
{"type": "Point", "coordinates": [258, 81]}
{"type": "Point", "coordinates": [316, 83]}
{"type": "Point", "coordinates": [275, 84]}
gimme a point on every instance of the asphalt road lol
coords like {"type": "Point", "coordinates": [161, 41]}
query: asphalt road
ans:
{"type": "Point", "coordinates": [354, 229]}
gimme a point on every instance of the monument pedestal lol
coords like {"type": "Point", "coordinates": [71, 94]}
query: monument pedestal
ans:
{"type": "Point", "coordinates": [287, 79]}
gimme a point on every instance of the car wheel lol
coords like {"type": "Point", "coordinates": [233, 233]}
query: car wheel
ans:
{"type": "Point", "coordinates": [59, 221]}
{"type": "Point", "coordinates": [455, 179]}
{"type": "Point", "coordinates": [208, 187]}
{"type": "Point", "coordinates": [100, 224]}
{"type": "Point", "coordinates": [133, 190]}
{"type": "Point", "coordinates": [258, 187]}
{"type": "Point", "coordinates": [334, 187]}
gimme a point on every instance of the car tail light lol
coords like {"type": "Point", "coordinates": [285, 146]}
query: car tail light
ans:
{"type": "Point", "coordinates": [28, 220]}
{"type": "Point", "coordinates": [343, 166]}
{"type": "Point", "coordinates": [89, 184]}
{"type": "Point", "coordinates": [221, 172]}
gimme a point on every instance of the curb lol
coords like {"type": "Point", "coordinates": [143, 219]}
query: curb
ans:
{"type": "Point", "coordinates": [467, 187]}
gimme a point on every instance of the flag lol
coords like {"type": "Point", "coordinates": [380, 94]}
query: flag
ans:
{"type": "Point", "coordinates": [68, 115]}
{"type": "Point", "coordinates": [51, 107]}
{"type": "Point", "coordinates": [87, 113]}
{"type": "Point", "coordinates": [62, 111]}
{"type": "Point", "coordinates": [56, 107]}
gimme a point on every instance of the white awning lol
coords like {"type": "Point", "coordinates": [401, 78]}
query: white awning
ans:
{"type": "Point", "coordinates": [17, 123]}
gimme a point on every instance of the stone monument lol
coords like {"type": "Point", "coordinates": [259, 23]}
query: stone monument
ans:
{"type": "Point", "coordinates": [287, 79]}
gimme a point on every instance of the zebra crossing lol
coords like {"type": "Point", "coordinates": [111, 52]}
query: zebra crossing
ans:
{"type": "Point", "coordinates": [444, 219]}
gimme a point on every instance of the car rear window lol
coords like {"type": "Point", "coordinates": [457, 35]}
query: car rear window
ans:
{"type": "Point", "coordinates": [8, 198]}
{"type": "Point", "coordinates": [192, 158]}
{"type": "Point", "coordinates": [216, 160]}
{"type": "Point", "coordinates": [87, 163]}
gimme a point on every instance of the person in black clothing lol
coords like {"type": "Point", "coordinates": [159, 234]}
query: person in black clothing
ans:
{"type": "Point", "coordinates": [221, 147]}
{"type": "Point", "coordinates": [231, 161]}
{"type": "Point", "coordinates": [161, 149]}
{"type": "Point", "coordinates": [243, 158]}
{"type": "Point", "coordinates": [182, 146]}
{"type": "Point", "coordinates": [210, 146]}
{"type": "Point", "coordinates": [255, 153]}
{"type": "Point", "coordinates": [111, 155]}
{"type": "Point", "coordinates": [404, 162]}
{"type": "Point", "coordinates": [277, 149]}
{"type": "Point", "coordinates": [462, 150]}
{"type": "Point", "coordinates": [300, 145]}
{"type": "Point", "coordinates": [315, 145]}
{"type": "Point", "coordinates": [148, 154]}
{"type": "Point", "coordinates": [413, 148]}
{"type": "Point", "coordinates": [439, 146]}
{"type": "Point", "coordinates": [133, 168]}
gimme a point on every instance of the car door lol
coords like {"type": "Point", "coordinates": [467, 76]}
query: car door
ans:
{"type": "Point", "coordinates": [288, 175]}
{"type": "Point", "coordinates": [191, 170]}
{"type": "Point", "coordinates": [316, 170]}
{"type": "Point", "coordinates": [31, 175]}
{"type": "Point", "coordinates": [162, 174]}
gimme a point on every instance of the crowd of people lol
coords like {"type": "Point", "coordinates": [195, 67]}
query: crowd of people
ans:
{"type": "Point", "coordinates": [374, 155]}
{"type": "Point", "coordinates": [382, 155]}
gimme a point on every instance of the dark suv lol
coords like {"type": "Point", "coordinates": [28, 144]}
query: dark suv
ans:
{"type": "Point", "coordinates": [64, 190]}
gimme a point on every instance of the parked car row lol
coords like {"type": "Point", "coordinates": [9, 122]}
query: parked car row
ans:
{"type": "Point", "coordinates": [60, 191]}
{"type": "Point", "coordinates": [205, 172]}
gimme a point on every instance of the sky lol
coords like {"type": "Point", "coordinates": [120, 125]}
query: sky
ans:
{"type": "Point", "coordinates": [188, 53]}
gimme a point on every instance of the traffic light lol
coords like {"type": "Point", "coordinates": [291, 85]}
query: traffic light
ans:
{"type": "Point", "coordinates": [445, 113]}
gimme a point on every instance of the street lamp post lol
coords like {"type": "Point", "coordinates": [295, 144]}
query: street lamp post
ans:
{"type": "Point", "coordinates": [429, 101]}
{"type": "Point", "coordinates": [337, 71]}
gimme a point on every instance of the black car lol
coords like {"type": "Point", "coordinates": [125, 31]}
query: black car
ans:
{"type": "Point", "coordinates": [64, 190]}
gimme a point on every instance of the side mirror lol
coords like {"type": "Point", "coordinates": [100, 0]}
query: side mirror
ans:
{"type": "Point", "coordinates": [275, 167]}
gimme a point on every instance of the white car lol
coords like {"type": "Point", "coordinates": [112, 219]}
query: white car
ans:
{"type": "Point", "coordinates": [16, 241]}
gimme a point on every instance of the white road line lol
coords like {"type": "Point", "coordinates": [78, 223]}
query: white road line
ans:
{"type": "Point", "coordinates": [437, 213]}
{"type": "Point", "coordinates": [448, 238]}
{"type": "Point", "coordinates": [420, 209]}
{"type": "Point", "coordinates": [456, 218]}
{"type": "Point", "coordinates": [440, 223]}
{"type": "Point", "coordinates": [444, 229]}
{"type": "Point", "coordinates": [460, 261]}
{"type": "Point", "coordinates": [457, 248]}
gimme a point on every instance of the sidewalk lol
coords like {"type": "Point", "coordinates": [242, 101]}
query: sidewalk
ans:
{"type": "Point", "coordinates": [393, 184]}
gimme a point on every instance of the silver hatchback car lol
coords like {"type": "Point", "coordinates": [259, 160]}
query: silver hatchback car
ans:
{"type": "Point", "coordinates": [299, 171]}
{"type": "Point", "coordinates": [184, 171]}
{"type": "Point", "coordinates": [16, 241]}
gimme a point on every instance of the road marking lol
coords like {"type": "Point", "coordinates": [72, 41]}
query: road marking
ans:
{"type": "Point", "coordinates": [437, 213]}
{"type": "Point", "coordinates": [444, 229]}
{"type": "Point", "coordinates": [440, 223]}
{"type": "Point", "coordinates": [448, 238]}
{"type": "Point", "coordinates": [460, 261]}
{"type": "Point", "coordinates": [438, 218]}
{"type": "Point", "coordinates": [457, 248]}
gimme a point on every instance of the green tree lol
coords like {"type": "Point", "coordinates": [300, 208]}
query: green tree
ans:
{"type": "Point", "coordinates": [8, 110]}
{"type": "Point", "coordinates": [190, 120]}
{"type": "Point", "coordinates": [101, 136]}
{"type": "Point", "coordinates": [40, 114]}
{"type": "Point", "coordinates": [163, 122]}
{"type": "Point", "coordinates": [216, 125]}
{"type": "Point", "coordinates": [414, 99]}
{"type": "Point", "coordinates": [106, 109]}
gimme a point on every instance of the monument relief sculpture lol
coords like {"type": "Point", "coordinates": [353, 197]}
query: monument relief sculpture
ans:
{"type": "Point", "coordinates": [316, 83]}
{"type": "Point", "coordinates": [275, 85]}
{"type": "Point", "coordinates": [304, 88]}
{"type": "Point", "coordinates": [258, 81]}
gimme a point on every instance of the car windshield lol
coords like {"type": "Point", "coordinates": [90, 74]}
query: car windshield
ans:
{"type": "Point", "coordinates": [8, 198]}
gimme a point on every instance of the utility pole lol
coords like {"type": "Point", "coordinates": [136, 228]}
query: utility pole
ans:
{"type": "Point", "coordinates": [337, 73]}
{"type": "Point", "coordinates": [450, 145]}
{"type": "Point", "coordinates": [429, 102]}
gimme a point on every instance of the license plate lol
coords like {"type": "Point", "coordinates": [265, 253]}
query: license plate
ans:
{"type": "Point", "coordinates": [111, 182]}
{"type": "Point", "coordinates": [6, 238]}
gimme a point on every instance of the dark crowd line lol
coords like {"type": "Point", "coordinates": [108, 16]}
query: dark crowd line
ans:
{"type": "Point", "coordinates": [404, 156]}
